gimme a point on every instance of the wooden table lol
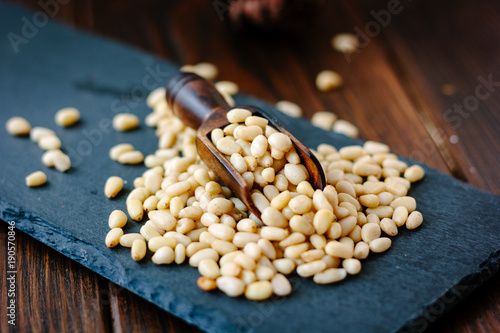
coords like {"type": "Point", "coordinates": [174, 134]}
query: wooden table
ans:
{"type": "Point", "coordinates": [415, 85]}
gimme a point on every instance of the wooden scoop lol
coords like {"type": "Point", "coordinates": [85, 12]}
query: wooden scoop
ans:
{"type": "Point", "coordinates": [199, 105]}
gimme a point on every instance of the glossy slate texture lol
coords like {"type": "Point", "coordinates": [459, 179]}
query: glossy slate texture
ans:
{"type": "Point", "coordinates": [423, 274]}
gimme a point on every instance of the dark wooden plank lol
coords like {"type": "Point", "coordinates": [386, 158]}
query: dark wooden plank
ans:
{"type": "Point", "coordinates": [54, 293]}
{"type": "Point", "coordinates": [454, 43]}
{"type": "Point", "coordinates": [434, 47]}
{"type": "Point", "coordinates": [134, 314]}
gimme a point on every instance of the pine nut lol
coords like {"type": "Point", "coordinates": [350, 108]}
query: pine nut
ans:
{"type": "Point", "coordinates": [361, 250]}
{"type": "Point", "coordinates": [117, 219]}
{"type": "Point", "coordinates": [289, 108]}
{"type": "Point", "coordinates": [259, 146]}
{"type": "Point", "coordinates": [37, 178]}
{"type": "Point", "coordinates": [328, 80]}
{"type": "Point", "coordinates": [179, 253]}
{"type": "Point", "coordinates": [119, 149]}
{"type": "Point", "coordinates": [131, 157]}
{"type": "Point", "coordinates": [381, 211]}
{"type": "Point", "coordinates": [345, 43]}
{"type": "Point", "coordinates": [163, 256]}
{"type": "Point", "coordinates": [344, 127]}
{"type": "Point", "coordinates": [352, 266]}
{"type": "Point", "coordinates": [219, 206]}
{"type": "Point", "coordinates": [380, 244]}
{"type": "Point", "coordinates": [273, 233]}
{"type": "Point", "coordinates": [400, 215]}
{"type": "Point", "coordinates": [337, 249]}
{"type": "Point", "coordinates": [206, 284]}
{"type": "Point", "coordinates": [238, 115]}
{"type": "Point", "coordinates": [230, 285]}
{"type": "Point", "coordinates": [156, 243]}
{"type": "Point", "coordinates": [223, 247]}
{"type": "Point", "coordinates": [330, 275]}
{"type": "Point", "coordinates": [264, 272]}
{"type": "Point", "coordinates": [209, 269]}
{"type": "Point", "coordinates": [323, 119]}
{"type": "Point", "coordinates": [414, 173]}
{"type": "Point", "coordinates": [408, 202]}
{"type": "Point", "coordinates": [38, 132]}
{"type": "Point", "coordinates": [67, 117]}
{"type": "Point", "coordinates": [240, 239]}
{"type": "Point", "coordinates": [113, 237]}
{"type": "Point", "coordinates": [259, 290]}
{"type": "Point", "coordinates": [208, 253]}
{"type": "Point", "coordinates": [227, 87]}
{"type": "Point", "coordinates": [370, 231]}
{"type": "Point", "coordinates": [18, 126]}
{"type": "Point", "coordinates": [221, 231]}
{"type": "Point", "coordinates": [414, 220]}
{"type": "Point", "coordinates": [113, 186]}
{"type": "Point", "coordinates": [125, 122]}
{"type": "Point", "coordinates": [388, 226]}
{"type": "Point", "coordinates": [135, 209]}
{"type": "Point", "coordinates": [49, 142]}
{"type": "Point", "coordinates": [138, 250]}
{"type": "Point", "coordinates": [273, 217]}
{"type": "Point", "coordinates": [128, 239]}
{"type": "Point", "coordinates": [295, 174]}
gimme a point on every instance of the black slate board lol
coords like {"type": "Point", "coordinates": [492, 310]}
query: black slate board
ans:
{"type": "Point", "coordinates": [425, 273]}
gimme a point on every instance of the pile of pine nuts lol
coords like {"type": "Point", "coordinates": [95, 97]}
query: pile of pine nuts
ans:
{"type": "Point", "coordinates": [323, 234]}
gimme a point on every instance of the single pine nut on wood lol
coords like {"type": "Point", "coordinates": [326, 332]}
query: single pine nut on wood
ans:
{"type": "Point", "coordinates": [67, 117]}
{"type": "Point", "coordinates": [230, 285]}
{"type": "Point", "coordinates": [117, 219]}
{"type": "Point", "coordinates": [414, 173]}
{"type": "Point", "coordinates": [259, 290]}
{"type": "Point", "coordinates": [344, 127]}
{"type": "Point", "coordinates": [345, 43]}
{"type": "Point", "coordinates": [163, 256]}
{"type": "Point", "coordinates": [113, 237]}
{"type": "Point", "coordinates": [18, 126]}
{"type": "Point", "coordinates": [113, 186]}
{"type": "Point", "coordinates": [138, 250]}
{"type": "Point", "coordinates": [125, 122]}
{"type": "Point", "coordinates": [414, 220]}
{"type": "Point", "coordinates": [37, 178]}
{"type": "Point", "coordinates": [328, 80]}
{"type": "Point", "coordinates": [324, 120]}
{"type": "Point", "coordinates": [289, 108]}
{"type": "Point", "coordinates": [227, 87]}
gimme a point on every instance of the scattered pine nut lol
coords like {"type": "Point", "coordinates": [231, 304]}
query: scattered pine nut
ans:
{"type": "Point", "coordinates": [18, 126]}
{"type": "Point", "coordinates": [328, 80]}
{"type": "Point", "coordinates": [37, 178]}
{"type": "Point", "coordinates": [289, 108]}
{"type": "Point", "coordinates": [113, 186]}
{"type": "Point", "coordinates": [67, 117]}
{"type": "Point", "coordinates": [125, 122]}
{"type": "Point", "coordinates": [345, 43]}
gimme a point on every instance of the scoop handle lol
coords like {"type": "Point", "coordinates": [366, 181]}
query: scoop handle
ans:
{"type": "Point", "coordinates": [192, 98]}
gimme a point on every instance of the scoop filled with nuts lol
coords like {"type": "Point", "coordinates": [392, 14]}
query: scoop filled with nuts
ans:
{"type": "Point", "coordinates": [244, 132]}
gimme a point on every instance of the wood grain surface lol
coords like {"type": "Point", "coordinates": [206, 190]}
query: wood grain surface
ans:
{"type": "Point", "coordinates": [413, 85]}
